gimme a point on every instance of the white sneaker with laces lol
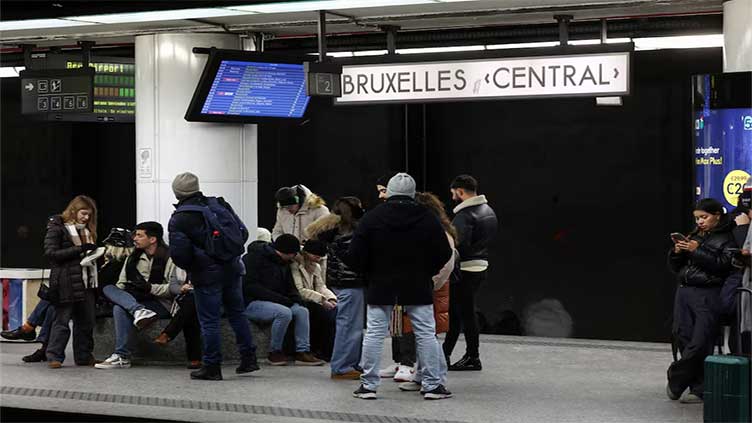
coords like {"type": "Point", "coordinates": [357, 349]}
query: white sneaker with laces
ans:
{"type": "Point", "coordinates": [389, 371]}
{"type": "Point", "coordinates": [410, 386]}
{"type": "Point", "coordinates": [405, 374]}
{"type": "Point", "coordinates": [114, 362]}
{"type": "Point", "coordinates": [144, 317]}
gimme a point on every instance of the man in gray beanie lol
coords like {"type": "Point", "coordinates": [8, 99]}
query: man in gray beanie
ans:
{"type": "Point", "coordinates": [184, 185]}
{"type": "Point", "coordinates": [217, 282]}
{"type": "Point", "coordinates": [399, 246]}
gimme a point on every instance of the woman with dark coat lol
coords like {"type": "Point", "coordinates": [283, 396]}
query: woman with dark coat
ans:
{"type": "Point", "coordinates": [702, 262]}
{"type": "Point", "coordinates": [70, 237]}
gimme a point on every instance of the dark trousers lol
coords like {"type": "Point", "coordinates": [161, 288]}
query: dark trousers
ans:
{"type": "Point", "coordinates": [462, 316]}
{"type": "Point", "coordinates": [322, 326]}
{"type": "Point", "coordinates": [186, 320]}
{"type": "Point", "coordinates": [82, 314]}
{"type": "Point", "coordinates": [210, 298]}
{"type": "Point", "coordinates": [696, 320]}
{"type": "Point", "coordinates": [403, 349]}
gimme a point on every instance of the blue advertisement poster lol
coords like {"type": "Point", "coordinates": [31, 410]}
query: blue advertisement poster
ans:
{"type": "Point", "coordinates": [723, 153]}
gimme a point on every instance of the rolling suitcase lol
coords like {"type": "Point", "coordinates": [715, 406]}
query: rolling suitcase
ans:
{"type": "Point", "coordinates": [727, 383]}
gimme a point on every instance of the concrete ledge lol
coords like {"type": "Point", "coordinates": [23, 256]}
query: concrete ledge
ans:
{"type": "Point", "coordinates": [146, 352]}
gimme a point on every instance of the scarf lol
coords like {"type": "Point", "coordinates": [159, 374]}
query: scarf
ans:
{"type": "Point", "coordinates": [137, 284]}
{"type": "Point", "coordinates": [88, 271]}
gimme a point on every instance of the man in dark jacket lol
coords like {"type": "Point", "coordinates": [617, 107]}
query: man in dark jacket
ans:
{"type": "Point", "coordinates": [216, 284]}
{"type": "Point", "coordinates": [271, 296]}
{"type": "Point", "coordinates": [399, 246]}
{"type": "Point", "coordinates": [476, 225]}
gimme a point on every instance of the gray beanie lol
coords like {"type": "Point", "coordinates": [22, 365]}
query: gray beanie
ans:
{"type": "Point", "coordinates": [184, 185]}
{"type": "Point", "coordinates": [401, 184]}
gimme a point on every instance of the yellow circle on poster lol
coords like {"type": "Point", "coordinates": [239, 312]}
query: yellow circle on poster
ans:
{"type": "Point", "coordinates": [733, 185]}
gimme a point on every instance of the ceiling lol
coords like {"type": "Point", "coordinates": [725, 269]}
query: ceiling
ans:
{"type": "Point", "coordinates": [350, 19]}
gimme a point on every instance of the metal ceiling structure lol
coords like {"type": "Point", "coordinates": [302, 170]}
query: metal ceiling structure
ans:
{"type": "Point", "coordinates": [433, 15]}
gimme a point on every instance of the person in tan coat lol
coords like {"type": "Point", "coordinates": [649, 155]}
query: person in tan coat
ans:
{"type": "Point", "coordinates": [297, 207]}
{"type": "Point", "coordinates": [440, 285]}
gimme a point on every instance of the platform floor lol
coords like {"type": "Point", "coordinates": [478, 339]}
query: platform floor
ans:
{"type": "Point", "coordinates": [524, 380]}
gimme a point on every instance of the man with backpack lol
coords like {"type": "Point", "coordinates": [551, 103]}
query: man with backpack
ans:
{"type": "Point", "coordinates": [207, 239]}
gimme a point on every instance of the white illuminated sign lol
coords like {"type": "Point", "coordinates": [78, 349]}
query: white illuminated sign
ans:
{"type": "Point", "coordinates": [605, 74]}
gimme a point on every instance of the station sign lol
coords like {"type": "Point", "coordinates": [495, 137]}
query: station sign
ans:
{"type": "Point", "coordinates": [56, 91]}
{"type": "Point", "coordinates": [581, 75]}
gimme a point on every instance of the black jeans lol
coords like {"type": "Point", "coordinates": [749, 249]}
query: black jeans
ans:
{"type": "Point", "coordinates": [462, 316]}
{"type": "Point", "coordinates": [322, 327]}
{"type": "Point", "coordinates": [82, 314]}
{"type": "Point", "coordinates": [696, 319]}
{"type": "Point", "coordinates": [186, 320]}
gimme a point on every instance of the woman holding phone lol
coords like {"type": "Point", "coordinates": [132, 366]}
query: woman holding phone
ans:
{"type": "Point", "coordinates": [702, 262]}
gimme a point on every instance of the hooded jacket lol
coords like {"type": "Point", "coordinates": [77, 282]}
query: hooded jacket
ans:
{"type": "Point", "coordinates": [311, 285]}
{"type": "Point", "coordinates": [476, 225]}
{"type": "Point", "coordinates": [312, 207]}
{"type": "Point", "coordinates": [268, 277]}
{"type": "Point", "coordinates": [338, 274]}
{"type": "Point", "coordinates": [399, 246]}
{"type": "Point", "coordinates": [710, 264]}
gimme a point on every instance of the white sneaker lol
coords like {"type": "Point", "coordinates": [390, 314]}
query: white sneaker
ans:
{"type": "Point", "coordinates": [144, 317]}
{"type": "Point", "coordinates": [389, 371]}
{"type": "Point", "coordinates": [404, 374]}
{"type": "Point", "coordinates": [410, 386]}
{"type": "Point", "coordinates": [114, 362]}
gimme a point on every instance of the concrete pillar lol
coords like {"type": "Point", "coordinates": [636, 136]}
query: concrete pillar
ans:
{"type": "Point", "coordinates": [224, 156]}
{"type": "Point", "coordinates": [737, 36]}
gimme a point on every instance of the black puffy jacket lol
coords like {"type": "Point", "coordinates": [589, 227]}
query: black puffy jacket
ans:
{"type": "Point", "coordinates": [338, 274]}
{"type": "Point", "coordinates": [66, 275]}
{"type": "Point", "coordinates": [268, 277]}
{"type": "Point", "coordinates": [710, 263]}
{"type": "Point", "coordinates": [476, 226]}
{"type": "Point", "coordinates": [398, 247]}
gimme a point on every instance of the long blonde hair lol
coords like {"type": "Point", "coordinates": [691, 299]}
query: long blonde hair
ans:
{"type": "Point", "coordinates": [82, 202]}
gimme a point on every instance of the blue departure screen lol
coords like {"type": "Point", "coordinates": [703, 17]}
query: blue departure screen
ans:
{"type": "Point", "coordinates": [257, 89]}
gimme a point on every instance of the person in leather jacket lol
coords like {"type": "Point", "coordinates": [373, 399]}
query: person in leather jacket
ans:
{"type": "Point", "coordinates": [702, 262]}
{"type": "Point", "coordinates": [476, 225]}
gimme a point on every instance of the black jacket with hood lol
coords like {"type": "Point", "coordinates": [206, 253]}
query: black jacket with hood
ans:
{"type": "Point", "coordinates": [66, 275]}
{"type": "Point", "coordinates": [268, 277]}
{"type": "Point", "coordinates": [710, 264]}
{"type": "Point", "coordinates": [398, 247]}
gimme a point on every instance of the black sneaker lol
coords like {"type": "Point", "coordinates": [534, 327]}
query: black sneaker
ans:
{"type": "Point", "coordinates": [210, 372]}
{"type": "Point", "coordinates": [439, 393]}
{"type": "Point", "coordinates": [467, 363]}
{"type": "Point", "coordinates": [36, 356]}
{"type": "Point", "coordinates": [364, 393]}
{"type": "Point", "coordinates": [19, 334]}
{"type": "Point", "coordinates": [247, 365]}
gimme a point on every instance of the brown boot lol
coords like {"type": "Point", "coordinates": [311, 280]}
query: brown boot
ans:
{"type": "Point", "coordinates": [54, 364]}
{"type": "Point", "coordinates": [162, 340]}
{"type": "Point", "coordinates": [307, 359]}
{"type": "Point", "coordinates": [277, 358]}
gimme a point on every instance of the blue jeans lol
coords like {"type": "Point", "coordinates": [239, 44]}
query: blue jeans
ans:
{"type": "Point", "coordinates": [443, 368]}
{"type": "Point", "coordinates": [348, 338]}
{"type": "Point", "coordinates": [122, 312]}
{"type": "Point", "coordinates": [210, 297]}
{"type": "Point", "coordinates": [428, 349]}
{"type": "Point", "coordinates": [43, 315]}
{"type": "Point", "coordinates": [281, 316]}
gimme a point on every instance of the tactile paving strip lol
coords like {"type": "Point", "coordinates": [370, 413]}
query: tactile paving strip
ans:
{"type": "Point", "coordinates": [575, 345]}
{"type": "Point", "coordinates": [212, 406]}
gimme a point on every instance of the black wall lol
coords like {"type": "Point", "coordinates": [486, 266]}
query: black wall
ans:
{"type": "Point", "coordinates": [45, 165]}
{"type": "Point", "coordinates": [586, 195]}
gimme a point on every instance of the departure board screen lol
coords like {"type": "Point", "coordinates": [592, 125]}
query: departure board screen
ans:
{"type": "Point", "coordinates": [114, 89]}
{"type": "Point", "coordinates": [257, 89]}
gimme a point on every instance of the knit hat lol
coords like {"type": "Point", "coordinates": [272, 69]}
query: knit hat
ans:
{"type": "Point", "coordinates": [287, 244]}
{"type": "Point", "coordinates": [401, 184]}
{"type": "Point", "coordinates": [286, 196]}
{"type": "Point", "coordinates": [263, 234]}
{"type": "Point", "coordinates": [185, 185]}
{"type": "Point", "coordinates": [315, 247]}
{"type": "Point", "coordinates": [119, 237]}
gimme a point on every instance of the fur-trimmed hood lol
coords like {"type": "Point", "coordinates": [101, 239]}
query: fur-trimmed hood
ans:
{"type": "Point", "coordinates": [312, 201]}
{"type": "Point", "coordinates": [323, 224]}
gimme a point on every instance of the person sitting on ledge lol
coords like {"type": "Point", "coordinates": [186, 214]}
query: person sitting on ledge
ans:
{"type": "Point", "coordinates": [142, 294]}
{"type": "Point", "coordinates": [271, 296]}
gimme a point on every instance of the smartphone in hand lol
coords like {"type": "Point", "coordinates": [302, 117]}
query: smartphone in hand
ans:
{"type": "Point", "coordinates": [676, 237]}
